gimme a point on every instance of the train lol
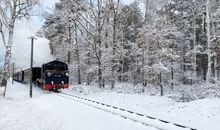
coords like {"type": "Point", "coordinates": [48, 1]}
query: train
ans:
{"type": "Point", "coordinates": [53, 75]}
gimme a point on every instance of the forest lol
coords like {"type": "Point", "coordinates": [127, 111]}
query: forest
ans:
{"type": "Point", "coordinates": [161, 43]}
{"type": "Point", "coordinates": [166, 44]}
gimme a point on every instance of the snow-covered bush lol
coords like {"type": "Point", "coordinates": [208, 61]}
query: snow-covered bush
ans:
{"type": "Point", "coordinates": [128, 88]}
{"type": "Point", "coordinates": [186, 93]}
{"type": "Point", "coordinates": [85, 89]}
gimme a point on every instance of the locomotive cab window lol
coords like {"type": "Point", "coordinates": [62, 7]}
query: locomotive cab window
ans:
{"type": "Point", "coordinates": [56, 67]}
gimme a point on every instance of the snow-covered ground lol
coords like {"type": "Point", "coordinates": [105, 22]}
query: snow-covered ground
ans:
{"type": "Point", "coordinates": [46, 111]}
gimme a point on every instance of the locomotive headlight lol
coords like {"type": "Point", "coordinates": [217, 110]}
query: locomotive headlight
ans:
{"type": "Point", "coordinates": [48, 74]}
{"type": "Point", "coordinates": [67, 74]}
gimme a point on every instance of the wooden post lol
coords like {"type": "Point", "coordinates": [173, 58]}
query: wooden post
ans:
{"type": "Point", "coordinates": [31, 65]}
{"type": "Point", "coordinates": [13, 69]}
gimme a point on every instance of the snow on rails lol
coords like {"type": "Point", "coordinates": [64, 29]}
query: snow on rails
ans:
{"type": "Point", "coordinates": [127, 114]}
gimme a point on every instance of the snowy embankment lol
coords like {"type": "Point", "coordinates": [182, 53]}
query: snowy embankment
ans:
{"type": "Point", "coordinates": [47, 111]}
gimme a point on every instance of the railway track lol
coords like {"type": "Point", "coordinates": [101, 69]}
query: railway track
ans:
{"type": "Point", "coordinates": [126, 114]}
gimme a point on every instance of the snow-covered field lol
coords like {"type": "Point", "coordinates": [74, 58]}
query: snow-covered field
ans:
{"type": "Point", "coordinates": [46, 111]}
{"type": "Point", "coordinates": [201, 114]}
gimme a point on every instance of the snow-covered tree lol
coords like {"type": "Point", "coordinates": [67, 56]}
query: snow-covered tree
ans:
{"type": "Point", "coordinates": [63, 28]}
{"type": "Point", "coordinates": [110, 42]}
{"type": "Point", "coordinates": [10, 12]}
{"type": "Point", "coordinates": [131, 19]}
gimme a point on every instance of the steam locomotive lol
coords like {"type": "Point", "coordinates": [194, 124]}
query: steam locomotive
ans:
{"type": "Point", "coordinates": [53, 75]}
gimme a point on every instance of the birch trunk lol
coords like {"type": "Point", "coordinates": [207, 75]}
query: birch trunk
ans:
{"type": "Point", "coordinates": [9, 48]}
{"type": "Point", "coordinates": [7, 59]}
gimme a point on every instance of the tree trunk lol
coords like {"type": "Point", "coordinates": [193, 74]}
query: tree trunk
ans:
{"type": "Point", "coordinates": [215, 68]}
{"type": "Point", "coordinates": [88, 60]}
{"type": "Point", "coordinates": [194, 44]}
{"type": "Point", "coordinates": [172, 70]}
{"type": "Point", "coordinates": [100, 74]}
{"type": "Point", "coordinates": [146, 12]}
{"type": "Point", "coordinates": [143, 72]}
{"type": "Point", "coordinates": [77, 56]}
{"type": "Point", "coordinates": [88, 75]}
{"type": "Point", "coordinates": [208, 75]}
{"type": "Point", "coordinates": [114, 47]}
{"type": "Point", "coordinates": [98, 55]}
{"type": "Point", "coordinates": [7, 59]}
{"type": "Point", "coordinates": [172, 75]}
{"type": "Point", "coordinates": [99, 43]}
{"type": "Point", "coordinates": [160, 83]}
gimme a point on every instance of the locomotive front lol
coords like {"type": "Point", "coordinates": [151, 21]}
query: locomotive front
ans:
{"type": "Point", "coordinates": [55, 75]}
